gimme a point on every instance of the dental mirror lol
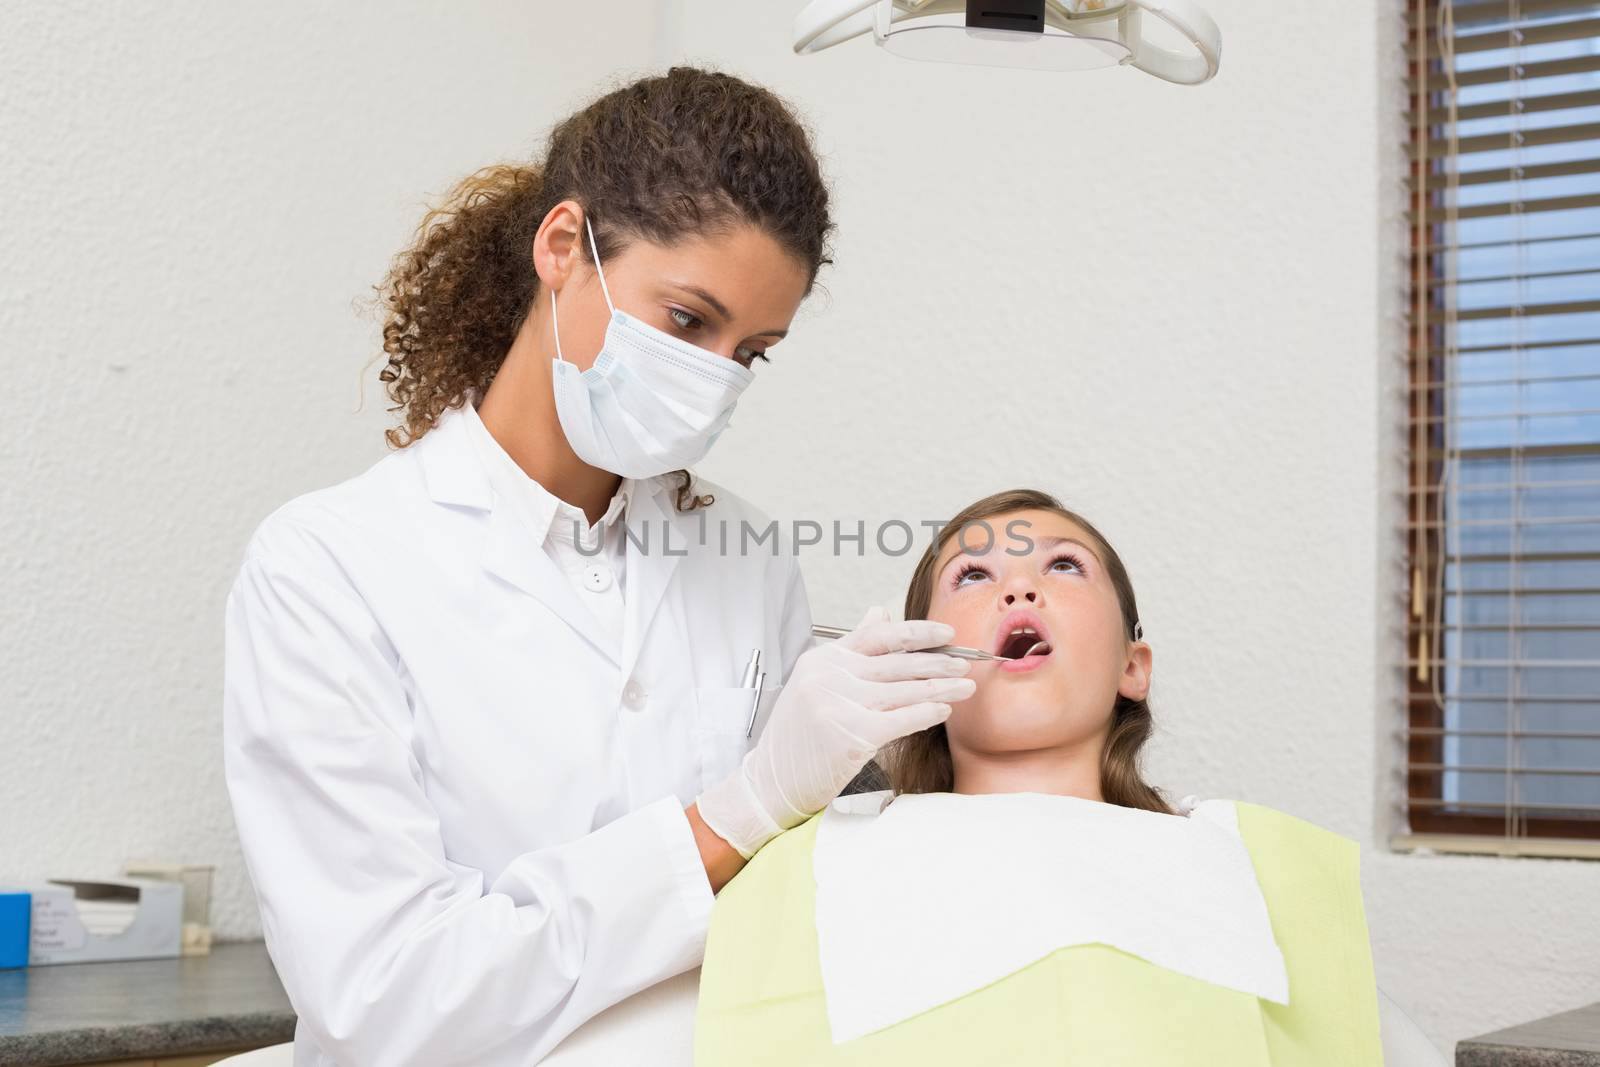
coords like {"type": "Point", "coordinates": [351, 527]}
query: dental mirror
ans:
{"type": "Point", "coordinates": [960, 651]}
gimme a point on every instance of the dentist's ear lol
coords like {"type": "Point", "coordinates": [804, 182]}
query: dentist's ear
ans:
{"type": "Point", "coordinates": [557, 243]}
{"type": "Point", "coordinates": [1135, 684]}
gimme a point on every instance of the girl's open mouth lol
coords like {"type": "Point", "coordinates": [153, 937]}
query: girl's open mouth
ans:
{"type": "Point", "coordinates": [1023, 638]}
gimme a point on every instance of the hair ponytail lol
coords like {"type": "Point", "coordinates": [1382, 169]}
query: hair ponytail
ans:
{"type": "Point", "coordinates": [458, 296]}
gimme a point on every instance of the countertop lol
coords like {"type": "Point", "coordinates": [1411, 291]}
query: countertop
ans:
{"type": "Point", "coordinates": [81, 1012]}
{"type": "Point", "coordinates": [1571, 1039]}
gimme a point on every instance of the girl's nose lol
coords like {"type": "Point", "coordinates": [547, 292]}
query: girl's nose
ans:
{"type": "Point", "coordinates": [1020, 591]}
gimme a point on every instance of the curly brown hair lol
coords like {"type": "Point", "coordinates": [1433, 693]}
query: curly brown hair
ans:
{"type": "Point", "coordinates": [920, 762]}
{"type": "Point", "coordinates": [688, 153]}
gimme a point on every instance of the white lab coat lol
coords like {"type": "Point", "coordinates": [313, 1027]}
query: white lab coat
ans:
{"type": "Point", "coordinates": [459, 800]}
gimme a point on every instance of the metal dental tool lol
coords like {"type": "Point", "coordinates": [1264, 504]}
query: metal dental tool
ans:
{"type": "Point", "coordinates": [960, 651]}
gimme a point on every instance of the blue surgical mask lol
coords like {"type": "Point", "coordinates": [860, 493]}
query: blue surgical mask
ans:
{"type": "Point", "coordinates": [651, 403]}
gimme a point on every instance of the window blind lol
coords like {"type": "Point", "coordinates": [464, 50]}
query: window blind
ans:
{"type": "Point", "coordinates": [1502, 725]}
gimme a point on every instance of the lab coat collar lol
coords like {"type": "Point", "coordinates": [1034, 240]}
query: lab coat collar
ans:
{"type": "Point", "coordinates": [451, 471]}
{"type": "Point", "coordinates": [548, 518]}
{"type": "Point", "coordinates": [456, 476]}
{"type": "Point", "coordinates": [509, 554]}
{"type": "Point", "coordinates": [655, 537]}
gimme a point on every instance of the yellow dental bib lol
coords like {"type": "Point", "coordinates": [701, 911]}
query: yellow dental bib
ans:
{"type": "Point", "coordinates": [761, 995]}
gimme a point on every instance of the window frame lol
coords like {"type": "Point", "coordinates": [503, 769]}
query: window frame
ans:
{"type": "Point", "coordinates": [1426, 530]}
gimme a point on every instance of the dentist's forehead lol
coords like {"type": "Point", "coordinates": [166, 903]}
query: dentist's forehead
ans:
{"type": "Point", "coordinates": [1014, 535]}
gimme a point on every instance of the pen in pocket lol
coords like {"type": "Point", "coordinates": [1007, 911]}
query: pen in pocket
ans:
{"type": "Point", "coordinates": [753, 677]}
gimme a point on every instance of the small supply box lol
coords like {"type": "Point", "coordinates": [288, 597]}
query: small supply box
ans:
{"type": "Point", "coordinates": [15, 911]}
{"type": "Point", "coordinates": [196, 881]}
{"type": "Point", "coordinates": [107, 919]}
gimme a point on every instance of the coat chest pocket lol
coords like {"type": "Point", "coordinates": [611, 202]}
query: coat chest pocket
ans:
{"type": "Point", "coordinates": [722, 714]}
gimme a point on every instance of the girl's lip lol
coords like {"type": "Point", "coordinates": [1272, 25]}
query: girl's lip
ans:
{"type": "Point", "coordinates": [1018, 666]}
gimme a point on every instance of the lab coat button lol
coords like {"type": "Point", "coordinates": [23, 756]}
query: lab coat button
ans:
{"type": "Point", "coordinates": [597, 578]}
{"type": "Point", "coordinates": [633, 695]}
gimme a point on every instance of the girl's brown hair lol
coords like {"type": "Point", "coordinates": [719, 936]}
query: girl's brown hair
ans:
{"type": "Point", "coordinates": [688, 153]}
{"type": "Point", "coordinates": [921, 762]}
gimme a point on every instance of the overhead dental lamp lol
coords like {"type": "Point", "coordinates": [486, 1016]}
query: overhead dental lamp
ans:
{"type": "Point", "coordinates": [1033, 34]}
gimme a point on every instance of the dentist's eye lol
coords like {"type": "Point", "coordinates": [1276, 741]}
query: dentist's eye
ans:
{"type": "Point", "coordinates": [966, 571]}
{"type": "Point", "coordinates": [745, 357]}
{"type": "Point", "coordinates": [1066, 564]}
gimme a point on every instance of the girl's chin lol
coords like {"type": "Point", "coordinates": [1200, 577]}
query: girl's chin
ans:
{"type": "Point", "coordinates": [1010, 710]}
{"type": "Point", "coordinates": [1011, 736]}
{"type": "Point", "coordinates": [1013, 727]}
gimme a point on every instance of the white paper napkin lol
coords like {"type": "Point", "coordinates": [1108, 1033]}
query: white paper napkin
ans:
{"type": "Point", "coordinates": [940, 894]}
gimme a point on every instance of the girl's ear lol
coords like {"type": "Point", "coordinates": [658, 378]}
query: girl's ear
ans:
{"type": "Point", "coordinates": [1135, 683]}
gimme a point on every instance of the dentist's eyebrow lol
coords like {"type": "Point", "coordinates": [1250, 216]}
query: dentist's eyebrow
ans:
{"type": "Point", "coordinates": [720, 308]}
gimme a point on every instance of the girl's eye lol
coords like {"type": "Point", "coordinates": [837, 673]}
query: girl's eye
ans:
{"type": "Point", "coordinates": [743, 356]}
{"type": "Point", "coordinates": [967, 570]}
{"type": "Point", "coordinates": [1066, 564]}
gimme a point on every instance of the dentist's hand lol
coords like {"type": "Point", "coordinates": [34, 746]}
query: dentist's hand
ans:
{"type": "Point", "coordinates": [843, 701]}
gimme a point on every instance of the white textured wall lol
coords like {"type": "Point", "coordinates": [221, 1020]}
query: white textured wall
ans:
{"type": "Point", "coordinates": [193, 198]}
{"type": "Point", "coordinates": [1176, 308]}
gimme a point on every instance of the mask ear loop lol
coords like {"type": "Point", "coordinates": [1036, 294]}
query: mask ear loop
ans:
{"type": "Point", "coordinates": [555, 326]}
{"type": "Point", "coordinates": [555, 320]}
{"type": "Point", "coordinates": [1138, 630]}
{"type": "Point", "coordinates": [596, 252]}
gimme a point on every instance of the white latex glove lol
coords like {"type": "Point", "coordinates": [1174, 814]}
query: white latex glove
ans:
{"type": "Point", "coordinates": [843, 701]}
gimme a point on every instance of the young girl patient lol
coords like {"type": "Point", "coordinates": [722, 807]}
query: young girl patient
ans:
{"type": "Point", "coordinates": [1018, 894]}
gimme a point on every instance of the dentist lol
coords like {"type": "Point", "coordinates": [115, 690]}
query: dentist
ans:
{"type": "Point", "coordinates": [484, 730]}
